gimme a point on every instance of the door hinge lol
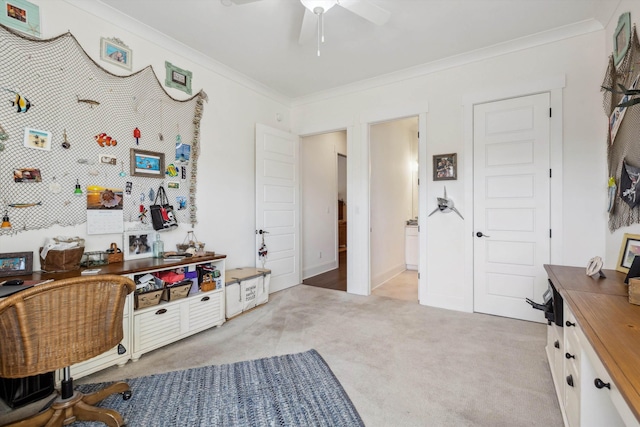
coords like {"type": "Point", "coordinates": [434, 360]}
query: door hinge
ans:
{"type": "Point", "coordinates": [418, 276]}
{"type": "Point", "coordinates": [549, 173]}
{"type": "Point", "coordinates": [549, 233]}
{"type": "Point", "coordinates": [549, 112]}
{"type": "Point", "coordinates": [418, 229]}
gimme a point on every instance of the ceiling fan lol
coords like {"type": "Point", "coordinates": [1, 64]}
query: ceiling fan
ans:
{"type": "Point", "coordinates": [315, 10]}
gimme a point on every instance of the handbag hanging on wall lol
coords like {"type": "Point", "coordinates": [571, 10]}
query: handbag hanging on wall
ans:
{"type": "Point", "coordinates": [162, 216]}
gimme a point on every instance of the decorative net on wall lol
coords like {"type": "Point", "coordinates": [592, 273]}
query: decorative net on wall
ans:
{"type": "Point", "coordinates": [70, 94]}
{"type": "Point", "coordinates": [626, 145]}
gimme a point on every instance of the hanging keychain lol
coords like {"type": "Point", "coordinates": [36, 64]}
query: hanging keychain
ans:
{"type": "Point", "coordinates": [262, 252]}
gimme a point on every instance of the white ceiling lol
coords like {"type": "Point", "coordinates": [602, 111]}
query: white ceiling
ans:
{"type": "Point", "coordinates": [260, 39]}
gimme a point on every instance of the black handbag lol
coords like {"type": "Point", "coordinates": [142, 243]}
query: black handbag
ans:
{"type": "Point", "coordinates": [162, 216]}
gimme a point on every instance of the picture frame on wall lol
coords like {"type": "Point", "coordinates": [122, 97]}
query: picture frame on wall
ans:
{"type": "Point", "coordinates": [445, 167]}
{"type": "Point", "coordinates": [37, 139]}
{"type": "Point", "coordinates": [138, 244]}
{"type": "Point", "coordinates": [16, 263]}
{"type": "Point", "coordinates": [148, 164]}
{"type": "Point", "coordinates": [177, 78]}
{"type": "Point", "coordinates": [629, 249]}
{"type": "Point", "coordinates": [621, 37]}
{"type": "Point", "coordinates": [115, 51]}
{"type": "Point", "coordinates": [21, 15]}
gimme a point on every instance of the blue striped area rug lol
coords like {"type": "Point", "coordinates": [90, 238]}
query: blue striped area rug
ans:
{"type": "Point", "coordinates": [290, 390]}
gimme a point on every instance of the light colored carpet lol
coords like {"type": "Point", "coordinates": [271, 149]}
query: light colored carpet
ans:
{"type": "Point", "coordinates": [401, 363]}
{"type": "Point", "coordinates": [404, 286]}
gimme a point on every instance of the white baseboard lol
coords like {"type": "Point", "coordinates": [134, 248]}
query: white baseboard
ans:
{"type": "Point", "coordinates": [319, 269]}
{"type": "Point", "coordinates": [387, 275]}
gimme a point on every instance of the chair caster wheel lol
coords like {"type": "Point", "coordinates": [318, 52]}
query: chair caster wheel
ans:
{"type": "Point", "coordinates": [126, 395]}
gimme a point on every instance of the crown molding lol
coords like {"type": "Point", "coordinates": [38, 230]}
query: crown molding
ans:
{"type": "Point", "coordinates": [515, 45]}
{"type": "Point", "coordinates": [109, 14]}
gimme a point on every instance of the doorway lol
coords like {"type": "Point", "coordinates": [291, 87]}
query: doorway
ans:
{"type": "Point", "coordinates": [394, 201]}
{"type": "Point", "coordinates": [323, 168]}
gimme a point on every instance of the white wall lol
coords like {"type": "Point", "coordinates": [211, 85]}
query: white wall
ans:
{"type": "Point", "coordinates": [391, 195]}
{"type": "Point", "coordinates": [614, 240]}
{"type": "Point", "coordinates": [581, 59]}
{"type": "Point", "coordinates": [226, 182]}
{"type": "Point", "coordinates": [319, 175]}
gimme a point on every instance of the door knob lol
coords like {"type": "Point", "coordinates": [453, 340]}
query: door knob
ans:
{"type": "Point", "coordinates": [479, 234]}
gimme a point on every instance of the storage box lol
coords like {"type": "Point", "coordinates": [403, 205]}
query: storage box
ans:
{"type": "Point", "coordinates": [147, 299]}
{"type": "Point", "coordinates": [61, 261]}
{"type": "Point", "coordinates": [634, 291]}
{"type": "Point", "coordinates": [245, 289]}
{"type": "Point", "coordinates": [177, 291]}
{"type": "Point", "coordinates": [18, 392]}
{"type": "Point", "coordinates": [94, 258]}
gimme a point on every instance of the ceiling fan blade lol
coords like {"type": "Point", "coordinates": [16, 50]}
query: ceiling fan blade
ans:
{"type": "Point", "coordinates": [369, 11]}
{"type": "Point", "coordinates": [309, 26]}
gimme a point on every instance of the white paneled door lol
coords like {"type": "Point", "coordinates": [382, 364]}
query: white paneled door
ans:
{"type": "Point", "coordinates": [278, 205]}
{"type": "Point", "coordinates": [511, 205]}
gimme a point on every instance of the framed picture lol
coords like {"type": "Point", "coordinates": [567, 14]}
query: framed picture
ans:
{"type": "Point", "coordinates": [138, 244]}
{"type": "Point", "coordinates": [16, 263]}
{"type": "Point", "coordinates": [628, 250]}
{"type": "Point", "coordinates": [116, 52]}
{"type": "Point", "coordinates": [445, 167]}
{"type": "Point", "coordinates": [173, 184]}
{"type": "Point", "coordinates": [177, 78]}
{"type": "Point", "coordinates": [147, 163]}
{"type": "Point", "coordinates": [37, 139]}
{"type": "Point", "coordinates": [22, 16]}
{"type": "Point", "coordinates": [621, 37]}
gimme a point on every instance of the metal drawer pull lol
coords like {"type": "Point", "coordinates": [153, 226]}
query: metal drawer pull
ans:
{"type": "Point", "coordinates": [570, 380]}
{"type": "Point", "coordinates": [601, 384]}
{"type": "Point", "coordinates": [556, 344]}
{"type": "Point", "coordinates": [205, 299]}
{"type": "Point", "coordinates": [570, 323]}
{"type": "Point", "coordinates": [161, 311]}
{"type": "Point", "coordinates": [569, 356]}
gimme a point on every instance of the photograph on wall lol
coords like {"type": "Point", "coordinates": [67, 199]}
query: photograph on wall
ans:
{"type": "Point", "coordinates": [147, 163]}
{"type": "Point", "coordinates": [27, 175]}
{"type": "Point", "coordinates": [116, 52]}
{"type": "Point", "coordinates": [37, 139]}
{"type": "Point", "coordinates": [183, 152]}
{"type": "Point", "coordinates": [445, 167]}
{"type": "Point", "coordinates": [21, 15]}
{"type": "Point", "coordinates": [104, 198]}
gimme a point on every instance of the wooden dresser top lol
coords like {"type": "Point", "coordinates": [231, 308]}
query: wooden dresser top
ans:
{"type": "Point", "coordinates": [610, 323]}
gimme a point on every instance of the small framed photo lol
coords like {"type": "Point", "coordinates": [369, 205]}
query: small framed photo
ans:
{"type": "Point", "coordinates": [37, 139]}
{"type": "Point", "coordinates": [628, 250]}
{"type": "Point", "coordinates": [621, 38]}
{"type": "Point", "coordinates": [445, 167]}
{"type": "Point", "coordinates": [113, 50]}
{"type": "Point", "coordinates": [107, 160]}
{"type": "Point", "coordinates": [27, 175]}
{"type": "Point", "coordinates": [149, 164]}
{"type": "Point", "coordinates": [21, 15]}
{"type": "Point", "coordinates": [138, 244]}
{"type": "Point", "coordinates": [173, 184]}
{"type": "Point", "coordinates": [16, 263]}
{"type": "Point", "coordinates": [177, 78]}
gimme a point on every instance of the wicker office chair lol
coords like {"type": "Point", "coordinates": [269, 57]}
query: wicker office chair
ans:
{"type": "Point", "coordinates": [54, 325]}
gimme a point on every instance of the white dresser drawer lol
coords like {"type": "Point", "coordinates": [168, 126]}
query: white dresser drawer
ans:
{"type": "Point", "coordinates": [205, 310]}
{"type": "Point", "coordinates": [156, 326]}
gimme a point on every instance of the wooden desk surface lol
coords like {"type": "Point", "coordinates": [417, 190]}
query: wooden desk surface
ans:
{"type": "Point", "coordinates": [610, 323]}
{"type": "Point", "coordinates": [120, 268]}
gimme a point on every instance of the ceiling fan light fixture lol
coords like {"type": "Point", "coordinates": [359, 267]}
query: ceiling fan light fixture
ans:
{"type": "Point", "coordinates": [319, 6]}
